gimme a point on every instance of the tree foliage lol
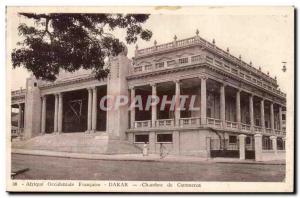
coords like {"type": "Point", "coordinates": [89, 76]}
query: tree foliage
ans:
{"type": "Point", "coordinates": [73, 41]}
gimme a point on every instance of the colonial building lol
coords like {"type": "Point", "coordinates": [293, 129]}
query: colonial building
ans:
{"type": "Point", "coordinates": [240, 110]}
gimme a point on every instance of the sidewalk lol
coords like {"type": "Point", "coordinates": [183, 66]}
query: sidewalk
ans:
{"type": "Point", "coordinates": [139, 157]}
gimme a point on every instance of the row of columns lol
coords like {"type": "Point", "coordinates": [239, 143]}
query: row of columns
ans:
{"type": "Point", "coordinates": [204, 103]}
{"type": "Point", "coordinates": [58, 112]}
{"type": "Point", "coordinates": [238, 107]}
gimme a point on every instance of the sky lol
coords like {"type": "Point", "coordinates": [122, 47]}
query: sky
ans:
{"type": "Point", "coordinates": [261, 35]}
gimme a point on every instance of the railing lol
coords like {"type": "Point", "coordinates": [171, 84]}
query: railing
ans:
{"type": "Point", "coordinates": [142, 124]}
{"type": "Point", "coordinates": [231, 125]}
{"type": "Point", "coordinates": [157, 66]}
{"type": "Point", "coordinates": [278, 132]}
{"type": "Point", "coordinates": [245, 127]}
{"type": "Point", "coordinates": [205, 58]}
{"type": "Point", "coordinates": [214, 122]}
{"type": "Point", "coordinates": [268, 130]}
{"type": "Point", "coordinates": [258, 129]}
{"type": "Point", "coordinates": [18, 92]}
{"type": "Point", "coordinates": [198, 40]}
{"type": "Point", "coordinates": [164, 123]}
{"type": "Point", "coordinates": [193, 121]}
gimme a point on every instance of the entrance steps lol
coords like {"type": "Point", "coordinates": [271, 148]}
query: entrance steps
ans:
{"type": "Point", "coordinates": [93, 143]}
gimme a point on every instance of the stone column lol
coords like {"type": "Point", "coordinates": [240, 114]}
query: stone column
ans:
{"type": "Point", "coordinates": [280, 117]}
{"type": "Point", "coordinates": [203, 100]}
{"type": "Point", "coordinates": [251, 111]}
{"type": "Point", "coordinates": [20, 117]}
{"type": "Point", "coordinates": [94, 110]}
{"type": "Point", "coordinates": [177, 102]}
{"type": "Point", "coordinates": [258, 147]}
{"type": "Point", "coordinates": [44, 102]}
{"type": "Point", "coordinates": [262, 114]}
{"type": "Point", "coordinates": [222, 104]}
{"type": "Point", "coordinates": [89, 113]}
{"type": "Point", "coordinates": [274, 143]}
{"type": "Point", "coordinates": [55, 113]}
{"type": "Point", "coordinates": [272, 116]}
{"type": "Point", "coordinates": [238, 107]}
{"type": "Point", "coordinates": [242, 148]}
{"type": "Point", "coordinates": [60, 113]}
{"type": "Point", "coordinates": [132, 110]}
{"type": "Point", "coordinates": [154, 106]}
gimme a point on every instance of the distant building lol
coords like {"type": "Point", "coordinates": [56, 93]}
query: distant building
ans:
{"type": "Point", "coordinates": [241, 111]}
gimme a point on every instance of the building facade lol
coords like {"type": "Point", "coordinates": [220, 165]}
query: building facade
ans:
{"type": "Point", "coordinates": [240, 110]}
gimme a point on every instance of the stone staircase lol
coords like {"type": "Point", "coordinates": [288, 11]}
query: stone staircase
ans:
{"type": "Point", "coordinates": [93, 143]}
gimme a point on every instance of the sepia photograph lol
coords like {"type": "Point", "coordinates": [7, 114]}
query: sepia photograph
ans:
{"type": "Point", "coordinates": [150, 99]}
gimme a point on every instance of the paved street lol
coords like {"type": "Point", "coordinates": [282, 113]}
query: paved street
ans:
{"type": "Point", "coordinates": [43, 167]}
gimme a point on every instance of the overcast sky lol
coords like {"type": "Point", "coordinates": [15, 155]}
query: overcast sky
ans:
{"type": "Point", "coordinates": [264, 37]}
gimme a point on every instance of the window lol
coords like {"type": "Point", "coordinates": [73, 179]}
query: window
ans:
{"type": "Point", "coordinates": [226, 66]}
{"type": "Point", "coordinates": [183, 60]}
{"type": "Point", "coordinates": [280, 144]}
{"type": "Point", "coordinates": [283, 116]}
{"type": "Point", "coordinates": [159, 65]}
{"type": "Point", "coordinates": [267, 143]}
{"type": "Point", "coordinates": [138, 69]}
{"type": "Point", "coordinates": [35, 84]}
{"type": "Point", "coordinates": [248, 140]}
{"type": "Point", "coordinates": [171, 63]}
{"type": "Point", "coordinates": [209, 59]}
{"type": "Point", "coordinates": [148, 67]}
{"type": "Point", "coordinates": [196, 58]}
{"type": "Point", "coordinates": [235, 71]}
{"type": "Point", "coordinates": [232, 139]}
{"type": "Point", "coordinates": [164, 138]}
{"type": "Point", "coordinates": [141, 138]}
{"type": "Point", "coordinates": [218, 63]}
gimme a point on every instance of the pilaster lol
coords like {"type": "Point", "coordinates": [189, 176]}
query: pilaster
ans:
{"type": "Point", "coordinates": [203, 100]}
{"type": "Point", "coordinates": [154, 106]}
{"type": "Point", "coordinates": [258, 147]}
{"type": "Point", "coordinates": [60, 113]}
{"type": "Point", "coordinates": [44, 102]}
{"type": "Point", "coordinates": [242, 138]}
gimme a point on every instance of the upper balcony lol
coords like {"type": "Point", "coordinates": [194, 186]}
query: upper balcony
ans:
{"type": "Point", "coordinates": [216, 62]}
{"type": "Point", "coordinates": [198, 41]}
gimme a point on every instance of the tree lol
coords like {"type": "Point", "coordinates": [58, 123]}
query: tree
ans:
{"type": "Point", "coordinates": [73, 41]}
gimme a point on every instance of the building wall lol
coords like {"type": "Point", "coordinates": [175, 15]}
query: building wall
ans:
{"type": "Point", "coordinates": [117, 119]}
{"type": "Point", "coordinates": [33, 109]}
{"type": "Point", "coordinates": [187, 142]}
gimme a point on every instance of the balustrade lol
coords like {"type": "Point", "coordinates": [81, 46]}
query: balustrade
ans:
{"type": "Point", "coordinates": [214, 122]}
{"type": "Point", "coordinates": [232, 125]}
{"type": "Point", "coordinates": [193, 121]}
{"type": "Point", "coordinates": [142, 124]}
{"type": "Point", "coordinates": [245, 127]}
{"type": "Point", "coordinates": [164, 123]}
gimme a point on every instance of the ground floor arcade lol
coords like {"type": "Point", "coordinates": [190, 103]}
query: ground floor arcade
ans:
{"type": "Point", "coordinates": [73, 111]}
